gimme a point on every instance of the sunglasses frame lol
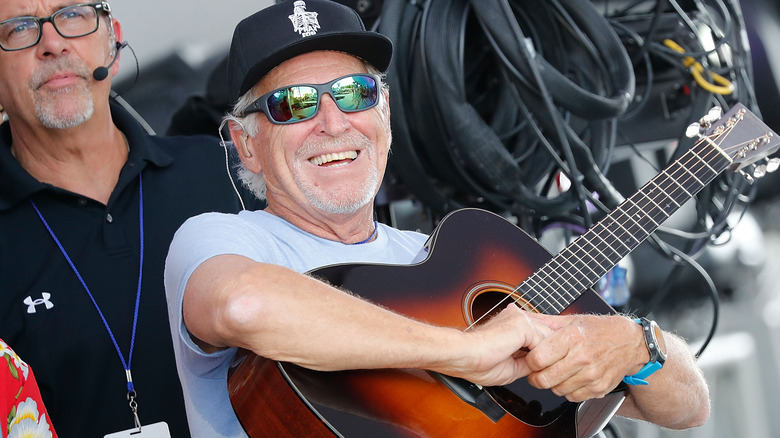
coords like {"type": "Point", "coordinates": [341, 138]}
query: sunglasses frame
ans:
{"type": "Point", "coordinates": [260, 105]}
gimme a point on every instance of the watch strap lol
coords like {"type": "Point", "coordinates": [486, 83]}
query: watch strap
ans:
{"type": "Point", "coordinates": [639, 378]}
{"type": "Point", "coordinates": [650, 367]}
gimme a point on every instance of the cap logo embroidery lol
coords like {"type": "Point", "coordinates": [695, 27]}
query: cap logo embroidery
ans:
{"type": "Point", "coordinates": [305, 23]}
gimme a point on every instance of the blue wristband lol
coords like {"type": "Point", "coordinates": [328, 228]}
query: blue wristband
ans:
{"type": "Point", "coordinates": [639, 378]}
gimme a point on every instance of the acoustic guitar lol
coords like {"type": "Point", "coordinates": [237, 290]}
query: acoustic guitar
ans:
{"type": "Point", "coordinates": [476, 263]}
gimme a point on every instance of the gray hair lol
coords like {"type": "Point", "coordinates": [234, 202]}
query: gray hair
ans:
{"type": "Point", "coordinates": [249, 125]}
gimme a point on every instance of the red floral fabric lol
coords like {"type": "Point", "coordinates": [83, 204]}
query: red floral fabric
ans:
{"type": "Point", "coordinates": [21, 406]}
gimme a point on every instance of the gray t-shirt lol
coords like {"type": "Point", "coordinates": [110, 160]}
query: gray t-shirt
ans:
{"type": "Point", "coordinates": [266, 238]}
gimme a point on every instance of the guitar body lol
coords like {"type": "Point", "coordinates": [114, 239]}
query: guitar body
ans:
{"type": "Point", "coordinates": [475, 261]}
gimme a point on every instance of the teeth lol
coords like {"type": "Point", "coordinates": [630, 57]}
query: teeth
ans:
{"type": "Point", "coordinates": [327, 158]}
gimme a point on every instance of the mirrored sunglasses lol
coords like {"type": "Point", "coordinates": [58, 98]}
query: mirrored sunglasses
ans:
{"type": "Point", "coordinates": [297, 103]}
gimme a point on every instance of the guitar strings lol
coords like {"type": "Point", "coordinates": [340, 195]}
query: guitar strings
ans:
{"type": "Point", "coordinates": [631, 201]}
{"type": "Point", "coordinates": [543, 284]}
{"type": "Point", "coordinates": [643, 205]}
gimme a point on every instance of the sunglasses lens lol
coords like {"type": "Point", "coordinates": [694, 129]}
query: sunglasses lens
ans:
{"type": "Point", "coordinates": [300, 102]}
{"type": "Point", "coordinates": [355, 93]}
{"type": "Point", "coordinates": [293, 104]}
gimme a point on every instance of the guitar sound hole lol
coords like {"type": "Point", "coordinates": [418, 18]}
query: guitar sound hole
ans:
{"type": "Point", "coordinates": [486, 300]}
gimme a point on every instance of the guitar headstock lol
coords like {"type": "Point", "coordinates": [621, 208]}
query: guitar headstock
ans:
{"type": "Point", "coordinates": [740, 135]}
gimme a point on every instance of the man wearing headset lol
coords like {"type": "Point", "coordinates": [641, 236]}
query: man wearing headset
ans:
{"type": "Point", "coordinates": [89, 202]}
{"type": "Point", "coordinates": [312, 125]}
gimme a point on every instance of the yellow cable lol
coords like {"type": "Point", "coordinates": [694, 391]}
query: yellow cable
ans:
{"type": "Point", "coordinates": [697, 70]}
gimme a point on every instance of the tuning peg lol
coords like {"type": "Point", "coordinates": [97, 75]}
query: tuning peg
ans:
{"type": "Point", "coordinates": [693, 130]}
{"type": "Point", "coordinates": [759, 170]}
{"type": "Point", "coordinates": [747, 176]}
{"type": "Point", "coordinates": [712, 116]}
{"type": "Point", "coordinates": [772, 165]}
{"type": "Point", "coordinates": [766, 166]}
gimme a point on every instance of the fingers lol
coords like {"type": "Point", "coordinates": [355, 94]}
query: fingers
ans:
{"type": "Point", "coordinates": [554, 322]}
{"type": "Point", "coordinates": [500, 347]}
{"type": "Point", "coordinates": [526, 332]}
{"type": "Point", "coordinates": [582, 358]}
{"type": "Point", "coordinates": [553, 365]}
{"type": "Point", "coordinates": [534, 332]}
{"type": "Point", "coordinates": [585, 383]}
{"type": "Point", "coordinates": [576, 356]}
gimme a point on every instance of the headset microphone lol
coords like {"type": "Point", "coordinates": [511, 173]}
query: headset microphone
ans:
{"type": "Point", "coordinates": [101, 73]}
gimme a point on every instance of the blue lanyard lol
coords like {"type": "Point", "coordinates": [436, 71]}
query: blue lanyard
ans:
{"type": "Point", "coordinates": [125, 364]}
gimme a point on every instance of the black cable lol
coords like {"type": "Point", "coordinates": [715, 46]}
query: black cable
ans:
{"type": "Point", "coordinates": [494, 99]}
{"type": "Point", "coordinates": [547, 101]}
{"type": "Point", "coordinates": [680, 257]}
{"type": "Point", "coordinates": [630, 6]}
{"type": "Point", "coordinates": [473, 154]}
{"type": "Point", "coordinates": [645, 97]}
{"type": "Point", "coordinates": [137, 72]}
{"type": "Point", "coordinates": [397, 22]}
{"type": "Point", "coordinates": [581, 102]}
{"type": "Point", "coordinates": [651, 32]}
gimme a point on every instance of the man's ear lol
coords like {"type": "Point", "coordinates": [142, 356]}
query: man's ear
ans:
{"type": "Point", "coordinates": [386, 107]}
{"type": "Point", "coordinates": [244, 146]}
{"type": "Point", "coordinates": [117, 29]}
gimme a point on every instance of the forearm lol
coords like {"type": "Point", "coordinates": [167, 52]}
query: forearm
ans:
{"type": "Point", "coordinates": [290, 317]}
{"type": "Point", "coordinates": [286, 316]}
{"type": "Point", "coordinates": [304, 321]}
{"type": "Point", "coordinates": [588, 355]}
{"type": "Point", "coordinates": [677, 396]}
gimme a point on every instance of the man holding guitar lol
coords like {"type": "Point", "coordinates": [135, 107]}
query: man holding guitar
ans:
{"type": "Point", "coordinates": [238, 283]}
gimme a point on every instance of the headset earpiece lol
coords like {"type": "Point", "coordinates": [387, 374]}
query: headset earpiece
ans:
{"type": "Point", "coordinates": [227, 164]}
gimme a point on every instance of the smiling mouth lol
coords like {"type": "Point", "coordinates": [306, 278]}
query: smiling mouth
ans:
{"type": "Point", "coordinates": [330, 158]}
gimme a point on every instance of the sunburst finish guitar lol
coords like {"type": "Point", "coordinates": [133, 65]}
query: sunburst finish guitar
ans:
{"type": "Point", "coordinates": [476, 262]}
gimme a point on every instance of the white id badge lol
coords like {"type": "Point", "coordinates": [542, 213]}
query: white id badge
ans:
{"type": "Point", "coordinates": [156, 430]}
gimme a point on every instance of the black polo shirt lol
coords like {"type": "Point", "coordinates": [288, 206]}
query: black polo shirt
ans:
{"type": "Point", "coordinates": [47, 316]}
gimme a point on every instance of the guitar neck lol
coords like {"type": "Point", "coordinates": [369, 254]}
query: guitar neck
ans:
{"type": "Point", "coordinates": [580, 265]}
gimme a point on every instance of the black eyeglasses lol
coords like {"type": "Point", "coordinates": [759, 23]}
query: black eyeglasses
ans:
{"type": "Point", "coordinates": [296, 103]}
{"type": "Point", "coordinates": [71, 22]}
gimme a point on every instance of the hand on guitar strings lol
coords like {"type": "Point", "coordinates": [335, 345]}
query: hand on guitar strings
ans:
{"type": "Point", "coordinates": [502, 344]}
{"type": "Point", "coordinates": [585, 356]}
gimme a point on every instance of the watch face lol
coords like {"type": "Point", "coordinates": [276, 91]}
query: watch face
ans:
{"type": "Point", "coordinates": [659, 339]}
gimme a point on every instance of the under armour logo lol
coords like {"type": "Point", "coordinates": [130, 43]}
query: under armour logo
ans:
{"type": "Point", "coordinates": [32, 303]}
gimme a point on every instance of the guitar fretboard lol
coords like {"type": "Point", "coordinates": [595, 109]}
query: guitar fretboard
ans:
{"type": "Point", "coordinates": [579, 266]}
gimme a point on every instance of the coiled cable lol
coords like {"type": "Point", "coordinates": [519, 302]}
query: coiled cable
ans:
{"type": "Point", "coordinates": [472, 85]}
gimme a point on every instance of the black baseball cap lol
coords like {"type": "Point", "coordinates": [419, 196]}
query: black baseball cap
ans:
{"type": "Point", "coordinates": [294, 27]}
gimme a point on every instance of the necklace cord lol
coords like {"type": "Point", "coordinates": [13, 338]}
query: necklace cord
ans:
{"type": "Point", "coordinates": [369, 237]}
